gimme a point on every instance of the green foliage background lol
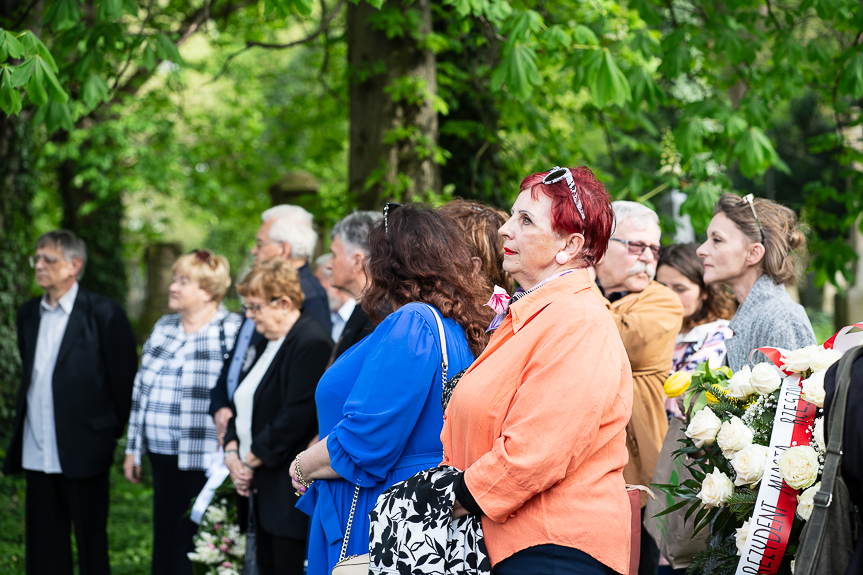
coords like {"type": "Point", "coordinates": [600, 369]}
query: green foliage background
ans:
{"type": "Point", "coordinates": [168, 121]}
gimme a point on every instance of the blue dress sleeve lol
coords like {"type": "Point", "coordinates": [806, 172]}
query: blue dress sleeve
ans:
{"type": "Point", "coordinates": [385, 403]}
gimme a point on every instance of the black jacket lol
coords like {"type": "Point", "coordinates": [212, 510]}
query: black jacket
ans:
{"type": "Point", "coordinates": [315, 297]}
{"type": "Point", "coordinates": [92, 383]}
{"type": "Point", "coordinates": [284, 419]}
{"type": "Point", "coordinates": [357, 327]}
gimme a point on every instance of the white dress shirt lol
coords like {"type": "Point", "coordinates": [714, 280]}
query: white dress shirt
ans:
{"type": "Point", "coordinates": [341, 317]}
{"type": "Point", "coordinates": [40, 434]}
{"type": "Point", "coordinates": [244, 397]}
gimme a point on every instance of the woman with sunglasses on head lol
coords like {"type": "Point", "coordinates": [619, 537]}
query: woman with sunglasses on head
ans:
{"type": "Point", "coordinates": [379, 408]}
{"type": "Point", "coordinates": [750, 247]}
{"type": "Point", "coordinates": [538, 422]}
{"type": "Point", "coordinates": [275, 411]}
{"type": "Point", "coordinates": [170, 423]}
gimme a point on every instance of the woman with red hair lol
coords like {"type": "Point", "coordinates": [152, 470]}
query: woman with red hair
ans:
{"type": "Point", "coordinates": [538, 422]}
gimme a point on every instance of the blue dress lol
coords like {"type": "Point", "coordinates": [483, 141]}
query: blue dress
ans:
{"type": "Point", "coordinates": [379, 403]}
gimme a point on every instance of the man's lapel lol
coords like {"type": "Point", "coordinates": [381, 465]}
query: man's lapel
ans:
{"type": "Point", "coordinates": [74, 326]}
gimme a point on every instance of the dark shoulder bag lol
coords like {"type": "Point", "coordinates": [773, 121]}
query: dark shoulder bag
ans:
{"type": "Point", "coordinates": [826, 543]}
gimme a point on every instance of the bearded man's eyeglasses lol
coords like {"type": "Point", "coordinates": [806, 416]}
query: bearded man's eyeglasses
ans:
{"type": "Point", "coordinates": [637, 248]}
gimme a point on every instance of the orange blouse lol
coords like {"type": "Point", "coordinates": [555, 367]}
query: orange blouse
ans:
{"type": "Point", "coordinates": [538, 423]}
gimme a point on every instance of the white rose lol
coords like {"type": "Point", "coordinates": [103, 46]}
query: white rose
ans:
{"type": "Point", "coordinates": [824, 358]}
{"type": "Point", "coordinates": [740, 384]}
{"type": "Point", "coordinates": [818, 435]}
{"type": "Point", "coordinates": [703, 428]}
{"type": "Point", "coordinates": [749, 464]}
{"type": "Point", "coordinates": [806, 502]}
{"type": "Point", "coordinates": [742, 536]}
{"type": "Point", "coordinates": [715, 489]}
{"type": "Point", "coordinates": [813, 389]}
{"type": "Point", "coordinates": [798, 466]}
{"type": "Point", "coordinates": [765, 378]}
{"type": "Point", "coordinates": [800, 360]}
{"type": "Point", "coordinates": [733, 436]}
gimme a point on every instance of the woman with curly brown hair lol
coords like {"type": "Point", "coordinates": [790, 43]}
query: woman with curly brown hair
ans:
{"type": "Point", "coordinates": [379, 409]}
{"type": "Point", "coordinates": [480, 225]}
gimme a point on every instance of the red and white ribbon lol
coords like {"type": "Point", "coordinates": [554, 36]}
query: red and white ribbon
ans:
{"type": "Point", "coordinates": [770, 524]}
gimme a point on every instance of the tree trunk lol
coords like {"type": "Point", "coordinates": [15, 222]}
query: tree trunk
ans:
{"type": "Point", "coordinates": [393, 130]}
{"type": "Point", "coordinates": [17, 188]}
{"type": "Point", "coordinates": [99, 223]}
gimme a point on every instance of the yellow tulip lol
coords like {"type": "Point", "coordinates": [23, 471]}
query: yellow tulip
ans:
{"type": "Point", "coordinates": [677, 383]}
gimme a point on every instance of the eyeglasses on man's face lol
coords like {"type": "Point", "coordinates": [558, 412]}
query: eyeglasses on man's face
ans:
{"type": "Point", "coordinates": [261, 243]}
{"type": "Point", "coordinates": [49, 260]}
{"type": "Point", "coordinates": [637, 248]}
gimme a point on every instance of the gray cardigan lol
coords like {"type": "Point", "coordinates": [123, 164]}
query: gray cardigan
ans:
{"type": "Point", "coordinates": [767, 318]}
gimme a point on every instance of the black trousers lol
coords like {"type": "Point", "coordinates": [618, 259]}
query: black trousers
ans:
{"type": "Point", "coordinates": [54, 504]}
{"type": "Point", "coordinates": [550, 559]}
{"type": "Point", "coordinates": [174, 492]}
{"type": "Point", "coordinates": [276, 555]}
{"type": "Point", "coordinates": [648, 559]}
{"type": "Point", "coordinates": [280, 555]}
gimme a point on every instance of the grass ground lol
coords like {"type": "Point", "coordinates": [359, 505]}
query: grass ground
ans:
{"type": "Point", "coordinates": [130, 531]}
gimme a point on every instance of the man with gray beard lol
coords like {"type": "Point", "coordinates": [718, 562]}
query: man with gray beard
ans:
{"type": "Point", "coordinates": [648, 317]}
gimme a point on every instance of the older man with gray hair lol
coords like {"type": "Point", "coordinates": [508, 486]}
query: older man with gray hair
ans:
{"type": "Point", "coordinates": [286, 232]}
{"type": "Point", "coordinates": [79, 360]}
{"type": "Point", "coordinates": [350, 248]}
{"type": "Point", "coordinates": [648, 317]}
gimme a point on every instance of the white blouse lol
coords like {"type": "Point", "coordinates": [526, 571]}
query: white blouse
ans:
{"type": "Point", "coordinates": [244, 397]}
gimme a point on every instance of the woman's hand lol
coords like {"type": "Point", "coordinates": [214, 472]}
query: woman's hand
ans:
{"type": "Point", "coordinates": [299, 488]}
{"type": "Point", "coordinates": [130, 470]}
{"type": "Point", "coordinates": [241, 476]}
{"type": "Point", "coordinates": [221, 419]}
{"type": "Point", "coordinates": [253, 460]}
{"type": "Point", "coordinates": [458, 510]}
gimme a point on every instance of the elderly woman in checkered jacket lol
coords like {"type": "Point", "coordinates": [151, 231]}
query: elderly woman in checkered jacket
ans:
{"type": "Point", "coordinates": [170, 422]}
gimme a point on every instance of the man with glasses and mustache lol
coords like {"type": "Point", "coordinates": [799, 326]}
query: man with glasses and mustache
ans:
{"type": "Point", "coordinates": [648, 316]}
{"type": "Point", "coordinates": [79, 360]}
{"type": "Point", "coordinates": [287, 232]}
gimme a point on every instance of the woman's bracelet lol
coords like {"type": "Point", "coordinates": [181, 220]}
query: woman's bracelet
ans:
{"type": "Point", "coordinates": [300, 477]}
{"type": "Point", "coordinates": [234, 451]}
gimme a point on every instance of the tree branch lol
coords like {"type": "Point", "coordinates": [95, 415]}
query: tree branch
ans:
{"type": "Point", "coordinates": [186, 29]}
{"type": "Point", "coordinates": [773, 16]}
{"type": "Point", "coordinates": [132, 52]}
{"type": "Point", "coordinates": [24, 15]}
{"type": "Point", "coordinates": [325, 23]}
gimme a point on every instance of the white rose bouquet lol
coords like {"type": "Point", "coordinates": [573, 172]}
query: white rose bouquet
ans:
{"type": "Point", "coordinates": [219, 545]}
{"type": "Point", "coordinates": [728, 435]}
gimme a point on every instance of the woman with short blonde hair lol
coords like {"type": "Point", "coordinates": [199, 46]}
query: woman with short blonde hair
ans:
{"type": "Point", "coordinates": [169, 422]}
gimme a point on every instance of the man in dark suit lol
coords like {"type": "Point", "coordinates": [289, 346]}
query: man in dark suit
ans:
{"type": "Point", "coordinates": [350, 249]}
{"type": "Point", "coordinates": [79, 362]}
{"type": "Point", "coordinates": [286, 232]}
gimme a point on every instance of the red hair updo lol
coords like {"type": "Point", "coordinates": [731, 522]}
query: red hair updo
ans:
{"type": "Point", "coordinates": [598, 221]}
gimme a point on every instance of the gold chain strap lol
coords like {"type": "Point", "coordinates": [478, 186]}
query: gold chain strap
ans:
{"type": "Point", "coordinates": [350, 522]}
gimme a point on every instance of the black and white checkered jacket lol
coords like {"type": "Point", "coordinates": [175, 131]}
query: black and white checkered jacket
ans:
{"type": "Point", "coordinates": [211, 344]}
